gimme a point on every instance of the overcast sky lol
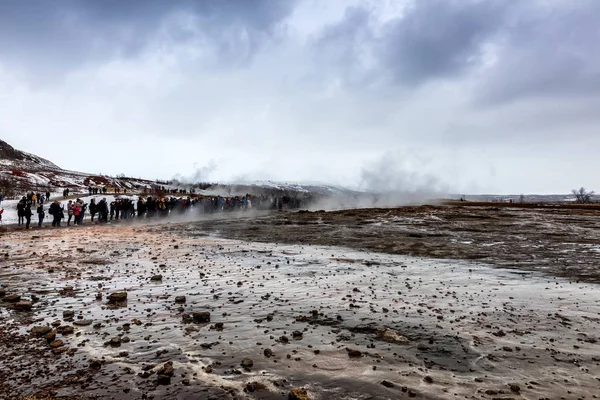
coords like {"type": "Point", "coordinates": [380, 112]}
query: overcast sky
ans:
{"type": "Point", "coordinates": [471, 96]}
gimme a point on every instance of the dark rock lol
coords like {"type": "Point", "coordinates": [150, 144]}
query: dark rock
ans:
{"type": "Point", "coordinates": [297, 335]}
{"type": "Point", "coordinates": [65, 329]}
{"type": "Point", "coordinates": [428, 379]}
{"type": "Point", "coordinates": [95, 364]}
{"type": "Point", "coordinates": [57, 343]}
{"type": "Point", "coordinates": [353, 353]}
{"type": "Point", "coordinates": [117, 297]}
{"type": "Point", "coordinates": [23, 306]}
{"type": "Point", "coordinates": [39, 331]}
{"type": "Point", "coordinates": [50, 336]}
{"type": "Point", "coordinates": [268, 353]}
{"type": "Point", "coordinates": [68, 314]}
{"type": "Point", "coordinates": [515, 387]}
{"type": "Point", "coordinates": [12, 298]}
{"type": "Point", "coordinates": [156, 278]}
{"type": "Point", "coordinates": [387, 384]}
{"type": "Point", "coordinates": [180, 299]}
{"type": "Point", "coordinates": [201, 317]}
{"type": "Point", "coordinates": [83, 322]}
{"type": "Point", "coordinates": [166, 369]}
{"type": "Point", "coordinates": [247, 363]}
{"type": "Point", "coordinates": [254, 387]}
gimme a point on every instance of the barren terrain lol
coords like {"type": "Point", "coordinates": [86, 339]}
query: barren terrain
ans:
{"type": "Point", "coordinates": [430, 302]}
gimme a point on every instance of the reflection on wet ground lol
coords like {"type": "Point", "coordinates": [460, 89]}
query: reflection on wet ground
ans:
{"type": "Point", "coordinates": [340, 323]}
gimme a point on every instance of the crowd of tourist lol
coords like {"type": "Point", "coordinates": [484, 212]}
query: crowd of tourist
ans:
{"type": "Point", "coordinates": [125, 208]}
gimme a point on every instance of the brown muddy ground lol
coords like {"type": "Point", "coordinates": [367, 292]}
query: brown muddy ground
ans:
{"type": "Point", "coordinates": [439, 302]}
{"type": "Point", "coordinates": [559, 240]}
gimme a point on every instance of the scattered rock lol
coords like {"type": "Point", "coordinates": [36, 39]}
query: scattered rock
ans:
{"type": "Point", "coordinates": [247, 363]}
{"type": "Point", "coordinates": [391, 336]}
{"type": "Point", "coordinates": [353, 353]}
{"type": "Point", "coordinates": [23, 306]}
{"type": "Point", "coordinates": [156, 278]}
{"type": "Point", "coordinates": [180, 299]}
{"type": "Point", "coordinates": [39, 331]}
{"type": "Point", "coordinates": [298, 394]}
{"type": "Point", "coordinates": [268, 353]}
{"type": "Point", "coordinates": [83, 322]}
{"type": "Point", "coordinates": [387, 384]}
{"type": "Point", "coordinates": [57, 343]}
{"type": "Point", "coordinates": [95, 364]}
{"type": "Point", "coordinates": [12, 298]}
{"type": "Point", "coordinates": [68, 314]}
{"type": "Point", "coordinates": [297, 335]}
{"type": "Point", "coordinates": [116, 297]}
{"type": "Point", "coordinates": [515, 387]}
{"type": "Point", "coordinates": [201, 317]}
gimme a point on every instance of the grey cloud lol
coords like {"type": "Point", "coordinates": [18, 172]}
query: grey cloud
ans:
{"type": "Point", "coordinates": [438, 38]}
{"type": "Point", "coordinates": [550, 50]}
{"type": "Point", "coordinates": [35, 32]}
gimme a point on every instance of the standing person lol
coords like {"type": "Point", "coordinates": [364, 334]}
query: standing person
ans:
{"type": "Point", "coordinates": [102, 211]}
{"type": "Point", "coordinates": [69, 212]}
{"type": "Point", "coordinates": [28, 215]}
{"type": "Point", "coordinates": [1, 212]}
{"type": "Point", "coordinates": [21, 210]}
{"type": "Point", "coordinates": [47, 195]}
{"type": "Point", "coordinates": [76, 212]}
{"type": "Point", "coordinates": [41, 214]}
{"type": "Point", "coordinates": [56, 211]}
{"type": "Point", "coordinates": [1, 199]}
{"type": "Point", "coordinates": [93, 209]}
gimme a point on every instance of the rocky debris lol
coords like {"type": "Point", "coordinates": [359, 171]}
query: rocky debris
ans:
{"type": "Point", "coordinates": [254, 387]}
{"type": "Point", "coordinates": [387, 384]}
{"type": "Point", "coordinates": [115, 341]}
{"type": "Point", "coordinates": [50, 336]}
{"type": "Point", "coordinates": [83, 322]}
{"type": "Point", "coordinates": [247, 363]}
{"type": "Point", "coordinates": [297, 335]}
{"type": "Point", "coordinates": [57, 343]}
{"type": "Point", "coordinates": [156, 278]}
{"type": "Point", "coordinates": [12, 298]}
{"type": "Point", "coordinates": [117, 297]}
{"type": "Point", "coordinates": [39, 331]}
{"type": "Point", "coordinates": [201, 317]}
{"type": "Point", "coordinates": [392, 336]}
{"type": "Point", "coordinates": [95, 364]}
{"type": "Point", "coordinates": [298, 394]}
{"type": "Point", "coordinates": [68, 314]}
{"type": "Point", "coordinates": [268, 353]}
{"type": "Point", "coordinates": [428, 379]}
{"type": "Point", "coordinates": [165, 373]}
{"type": "Point", "coordinates": [217, 327]}
{"type": "Point", "coordinates": [353, 353]}
{"type": "Point", "coordinates": [23, 306]}
{"type": "Point", "coordinates": [180, 299]}
{"type": "Point", "coordinates": [514, 387]}
{"type": "Point", "coordinates": [65, 329]}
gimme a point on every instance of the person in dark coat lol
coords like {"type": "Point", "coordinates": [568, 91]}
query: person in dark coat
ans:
{"type": "Point", "coordinates": [57, 213]}
{"type": "Point", "coordinates": [93, 208]}
{"type": "Point", "coordinates": [21, 210]}
{"type": "Point", "coordinates": [28, 215]}
{"type": "Point", "coordinates": [41, 214]}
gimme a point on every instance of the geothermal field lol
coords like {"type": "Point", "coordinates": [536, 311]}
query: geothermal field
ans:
{"type": "Point", "coordinates": [429, 302]}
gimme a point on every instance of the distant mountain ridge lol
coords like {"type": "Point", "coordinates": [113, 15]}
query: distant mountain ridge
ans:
{"type": "Point", "coordinates": [9, 156]}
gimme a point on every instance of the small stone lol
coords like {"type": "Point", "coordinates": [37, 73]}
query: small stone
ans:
{"type": "Point", "coordinates": [95, 364]}
{"type": "Point", "coordinates": [392, 336]}
{"type": "Point", "coordinates": [201, 317]}
{"type": "Point", "coordinates": [247, 363]}
{"type": "Point", "coordinates": [156, 278]}
{"type": "Point", "coordinates": [297, 335]}
{"type": "Point", "coordinates": [23, 306]}
{"type": "Point", "coordinates": [268, 353]}
{"type": "Point", "coordinates": [39, 331]}
{"type": "Point", "coordinates": [117, 297]}
{"type": "Point", "coordinates": [180, 299]}
{"type": "Point", "coordinates": [298, 394]}
{"type": "Point", "coordinates": [387, 384]}
{"type": "Point", "coordinates": [68, 314]}
{"type": "Point", "coordinates": [428, 379]}
{"type": "Point", "coordinates": [83, 322]}
{"type": "Point", "coordinates": [12, 298]}
{"type": "Point", "coordinates": [57, 343]}
{"type": "Point", "coordinates": [515, 387]}
{"type": "Point", "coordinates": [353, 353]}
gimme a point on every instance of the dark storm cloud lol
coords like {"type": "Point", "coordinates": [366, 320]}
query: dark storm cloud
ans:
{"type": "Point", "coordinates": [514, 48]}
{"type": "Point", "coordinates": [438, 38]}
{"type": "Point", "coordinates": [63, 34]}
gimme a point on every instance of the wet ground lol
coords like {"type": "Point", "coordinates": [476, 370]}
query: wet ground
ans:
{"type": "Point", "coordinates": [379, 318]}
